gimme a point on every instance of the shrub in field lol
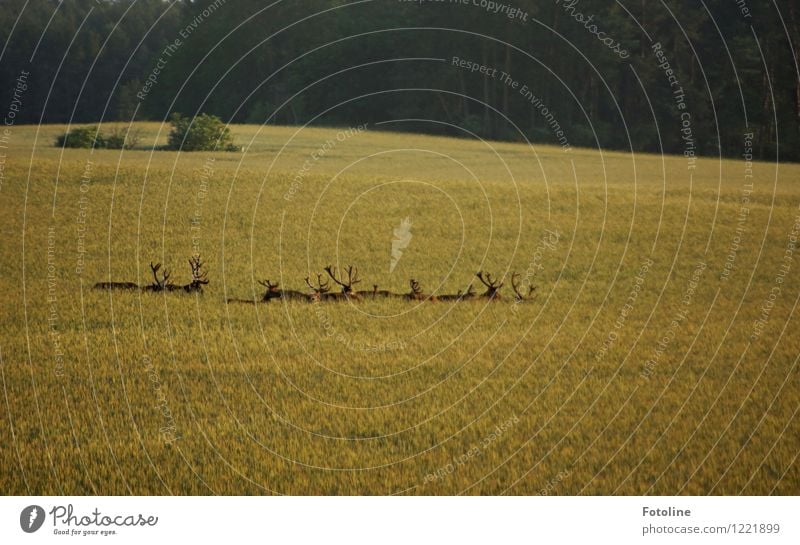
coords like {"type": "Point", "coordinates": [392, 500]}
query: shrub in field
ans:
{"type": "Point", "coordinates": [115, 140]}
{"type": "Point", "coordinates": [122, 139]}
{"type": "Point", "coordinates": [201, 133]}
{"type": "Point", "coordinates": [81, 137]}
{"type": "Point", "coordinates": [88, 137]}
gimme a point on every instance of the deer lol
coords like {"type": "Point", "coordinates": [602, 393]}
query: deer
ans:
{"type": "Point", "coordinates": [272, 292]}
{"type": "Point", "coordinates": [492, 286]}
{"type": "Point", "coordinates": [518, 297]}
{"type": "Point", "coordinates": [199, 277]}
{"type": "Point", "coordinates": [459, 296]}
{"type": "Point", "coordinates": [265, 298]}
{"type": "Point", "coordinates": [416, 293]}
{"type": "Point", "coordinates": [347, 287]}
{"type": "Point", "coordinates": [160, 284]}
{"type": "Point", "coordinates": [320, 291]}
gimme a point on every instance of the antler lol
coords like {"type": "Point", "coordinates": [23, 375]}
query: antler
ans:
{"type": "Point", "coordinates": [488, 282]}
{"type": "Point", "coordinates": [331, 270]}
{"type": "Point", "coordinates": [198, 275]}
{"type": "Point", "coordinates": [352, 277]}
{"type": "Point", "coordinates": [492, 286]}
{"type": "Point", "coordinates": [321, 287]}
{"type": "Point", "coordinates": [515, 286]}
{"type": "Point", "coordinates": [155, 269]}
{"type": "Point", "coordinates": [163, 282]}
{"type": "Point", "coordinates": [269, 285]}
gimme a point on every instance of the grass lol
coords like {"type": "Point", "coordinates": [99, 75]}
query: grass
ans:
{"type": "Point", "coordinates": [118, 393]}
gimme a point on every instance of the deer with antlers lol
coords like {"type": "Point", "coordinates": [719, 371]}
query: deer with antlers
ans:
{"type": "Point", "coordinates": [416, 293]}
{"type": "Point", "coordinates": [518, 297]}
{"type": "Point", "coordinates": [162, 283]}
{"type": "Point", "coordinates": [347, 286]}
{"type": "Point", "coordinates": [321, 291]}
{"type": "Point", "coordinates": [199, 276]}
{"type": "Point", "coordinates": [492, 286]}
{"type": "Point", "coordinates": [272, 291]}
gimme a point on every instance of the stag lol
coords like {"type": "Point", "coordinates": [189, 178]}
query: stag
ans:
{"type": "Point", "coordinates": [265, 298]}
{"type": "Point", "coordinates": [492, 286]}
{"type": "Point", "coordinates": [320, 291]}
{"type": "Point", "coordinates": [273, 292]}
{"type": "Point", "coordinates": [347, 286]}
{"type": "Point", "coordinates": [160, 284]}
{"type": "Point", "coordinates": [518, 297]}
{"type": "Point", "coordinates": [416, 293]}
{"type": "Point", "coordinates": [199, 276]}
{"type": "Point", "coordinates": [460, 295]}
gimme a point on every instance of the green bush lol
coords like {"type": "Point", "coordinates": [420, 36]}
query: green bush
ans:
{"type": "Point", "coordinates": [122, 139]}
{"type": "Point", "coordinates": [81, 137]}
{"type": "Point", "coordinates": [202, 133]}
{"type": "Point", "coordinates": [115, 141]}
{"type": "Point", "coordinates": [88, 137]}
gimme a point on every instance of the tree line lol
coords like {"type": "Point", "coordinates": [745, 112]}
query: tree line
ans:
{"type": "Point", "coordinates": [697, 77]}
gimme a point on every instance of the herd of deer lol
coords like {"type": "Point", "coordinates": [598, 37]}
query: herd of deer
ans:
{"type": "Point", "coordinates": [321, 289]}
{"type": "Point", "coordinates": [162, 282]}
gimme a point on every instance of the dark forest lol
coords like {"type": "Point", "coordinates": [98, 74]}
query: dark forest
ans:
{"type": "Point", "coordinates": [614, 75]}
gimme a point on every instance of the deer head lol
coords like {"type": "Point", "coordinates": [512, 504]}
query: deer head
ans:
{"type": "Point", "coordinates": [492, 286]}
{"type": "Point", "coordinates": [416, 293]}
{"type": "Point", "coordinates": [352, 278]}
{"type": "Point", "coordinates": [320, 289]}
{"type": "Point", "coordinates": [515, 285]}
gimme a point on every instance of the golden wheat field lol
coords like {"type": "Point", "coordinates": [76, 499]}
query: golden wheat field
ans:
{"type": "Point", "coordinates": [658, 354]}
